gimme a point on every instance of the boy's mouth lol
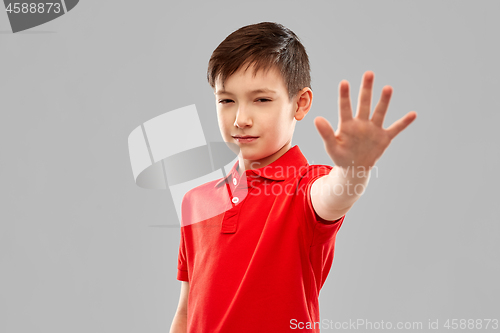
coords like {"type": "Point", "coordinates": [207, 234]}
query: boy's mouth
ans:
{"type": "Point", "coordinates": [245, 138]}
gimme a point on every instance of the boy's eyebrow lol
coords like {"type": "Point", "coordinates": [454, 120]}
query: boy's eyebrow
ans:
{"type": "Point", "coordinates": [256, 91]}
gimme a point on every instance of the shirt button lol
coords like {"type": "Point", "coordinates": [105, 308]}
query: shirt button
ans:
{"type": "Point", "coordinates": [235, 200]}
{"type": "Point", "coordinates": [234, 181]}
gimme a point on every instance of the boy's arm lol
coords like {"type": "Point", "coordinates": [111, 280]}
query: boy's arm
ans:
{"type": "Point", "coordinates": [354, 148]}
{"type": "Point", "coordinates": [333, 195]}
{"type": "Point", "coordinates": [179, 324]}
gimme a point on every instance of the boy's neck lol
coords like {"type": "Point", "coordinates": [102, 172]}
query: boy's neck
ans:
{"type": "Point", "coordinates": [245, 164]}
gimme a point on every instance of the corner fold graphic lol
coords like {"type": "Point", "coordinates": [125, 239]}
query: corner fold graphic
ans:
{"type": "Point", "coordinates": [170, 152]}
{"type": "Point", "coordinates": [32, 13]}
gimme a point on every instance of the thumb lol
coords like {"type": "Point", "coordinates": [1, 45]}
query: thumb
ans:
{"type": "Point", "coordinates": [326, 131]}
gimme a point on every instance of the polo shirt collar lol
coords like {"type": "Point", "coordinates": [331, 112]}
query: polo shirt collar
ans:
{"type": "Point", "coordinates": [287, 165]}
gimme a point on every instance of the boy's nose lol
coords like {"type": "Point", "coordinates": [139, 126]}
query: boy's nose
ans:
{"type": "Point", "coordinates": [242, 119]}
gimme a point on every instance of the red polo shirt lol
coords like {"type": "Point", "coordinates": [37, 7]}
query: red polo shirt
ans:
{"type": "Point", "coordinates": [259, 265]}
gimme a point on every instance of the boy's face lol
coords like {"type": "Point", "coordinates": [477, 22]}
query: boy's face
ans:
{"type": "Point", "coordinates": [268, 115]}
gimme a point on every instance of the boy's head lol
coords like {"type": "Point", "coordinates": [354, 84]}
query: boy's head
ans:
{"type": "Point", "coordinates": [261, 79]}
{"type": "Point", "coordinates": [266, 45]}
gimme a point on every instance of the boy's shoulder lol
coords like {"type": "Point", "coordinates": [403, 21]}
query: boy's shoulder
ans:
{"type": "Point", "coordinates": [284, 171]}
{"type": "Point", "coordinates": [313, 170]}
{"type": "Point", "coordinates": [212, 199]}
{"type": "Point", "coordinates": [288, 172]}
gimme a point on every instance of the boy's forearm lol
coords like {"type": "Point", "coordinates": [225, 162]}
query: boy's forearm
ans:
{"type": "Point", "coordinates": [179, 324]}
{"type": "Point", "coordinates": [344, 186]}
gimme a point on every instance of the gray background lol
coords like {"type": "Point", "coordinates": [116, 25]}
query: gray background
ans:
{"type": "Point", "coordinates": [84, 249]}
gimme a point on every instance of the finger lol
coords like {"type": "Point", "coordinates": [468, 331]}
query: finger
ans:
{"type": "Point", "coordinates": [365, 96]}
{"type": "Point", "coordinates": [401, 124]}
{"type": "Point", "coordinates": [325, 130]}
{"type": "Point", "coordinates": [382, 106]}
{"type": "Point", "coordinates": [345, 110]}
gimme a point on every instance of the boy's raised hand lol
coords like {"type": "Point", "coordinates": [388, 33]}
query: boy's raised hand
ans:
{"type": "Point", "coordinates": [360, 141]}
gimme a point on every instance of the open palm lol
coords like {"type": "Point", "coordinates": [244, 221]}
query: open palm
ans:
{"type": "Point", "coordinates": [360, 141]}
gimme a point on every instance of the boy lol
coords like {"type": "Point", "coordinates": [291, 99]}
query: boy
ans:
{"type": "Point", "coordinates": [259, 265]}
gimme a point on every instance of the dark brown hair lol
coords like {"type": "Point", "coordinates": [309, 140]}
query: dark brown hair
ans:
{"type": "Point", "coordinates": [264, 44]}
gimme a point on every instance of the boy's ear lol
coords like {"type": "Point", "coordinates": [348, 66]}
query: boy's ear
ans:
{"type": "Point", "coordinates": [303, 102]}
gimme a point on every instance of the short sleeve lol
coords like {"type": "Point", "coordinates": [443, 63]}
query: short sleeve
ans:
{"type": "Point", "coordinates": [324, 230]}
{"type": "Point", "coordinates": [182, 264]}
{"type": "Point", "coordinates": [182, 270]}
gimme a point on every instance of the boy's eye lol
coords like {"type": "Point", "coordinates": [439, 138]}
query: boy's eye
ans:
{"type": "Point", "coordinates": [225, 101]}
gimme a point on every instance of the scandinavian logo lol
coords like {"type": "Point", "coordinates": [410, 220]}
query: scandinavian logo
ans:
{"type": "Point", "coordinates": [26, 14]}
